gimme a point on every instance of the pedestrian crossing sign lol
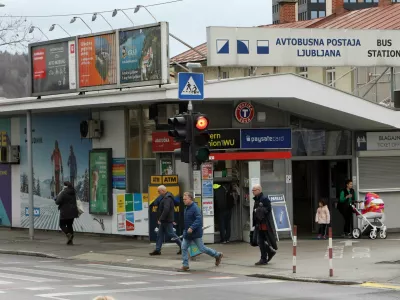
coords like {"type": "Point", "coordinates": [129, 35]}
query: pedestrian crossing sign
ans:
{"type": "Point", "coordinates": [191, 86]}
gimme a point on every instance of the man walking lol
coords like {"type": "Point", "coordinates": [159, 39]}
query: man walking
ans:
{"type": "Point", "coordinates": [165, 219]}
{"type": "Point", "coordinates": [263, 226]}
{"type": "Point", "coordinates": [193, 232]}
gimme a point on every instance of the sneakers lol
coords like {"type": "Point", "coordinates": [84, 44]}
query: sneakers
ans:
{"type": "Point", "coordinates": [155, 252]}
{"type": "Point", "coordinates": [261, 262]}
{"type": "Point", "coordinates": [184, 269]}
{"type": "Point", "coordinates": [319, 236]}
{"type": "Point", "coordinates": [219, 259]}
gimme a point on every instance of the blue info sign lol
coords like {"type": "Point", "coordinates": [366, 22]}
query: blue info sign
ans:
{"type": "Point", "coordinates": [191, 86]}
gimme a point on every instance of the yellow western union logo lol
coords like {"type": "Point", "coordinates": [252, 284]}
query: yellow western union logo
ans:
{"type": "Point", "coordinates": [171, 179]}
{"type": "Point", "coordinates": [156, 180]}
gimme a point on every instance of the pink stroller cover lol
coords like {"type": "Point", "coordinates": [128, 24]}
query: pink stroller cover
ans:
{"type": "Point", "coordinates": [373, 204]}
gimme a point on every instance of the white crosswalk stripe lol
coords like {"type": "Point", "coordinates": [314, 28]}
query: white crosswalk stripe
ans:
{"type": "Point", "coordinates": [39, 288]}
{"type": "Point", "coordinates": [5, 282]}
{"type": "Point", "coordinates": [127, 269]}
{"type": "Point", "coordinates": [25, 278]}
{"type": "Point", "coordinates": [133, 283]}
{"type": "Point", "coordinates": [88, 286]}
{"type": "Point", "coordinates": [88, 271]}
{"type": "Point", "coordinates": [54, 274]}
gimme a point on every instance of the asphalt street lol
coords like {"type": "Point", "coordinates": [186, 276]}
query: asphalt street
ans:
{"type": "Point", "coordinates": [30, 278]}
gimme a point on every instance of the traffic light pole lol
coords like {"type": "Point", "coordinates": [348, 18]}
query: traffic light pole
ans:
{"type": "Point", "coordinates": [191, 179]}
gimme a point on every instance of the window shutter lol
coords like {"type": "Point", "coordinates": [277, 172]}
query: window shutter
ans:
{"type": "Point", "coordinates": [379, 173]}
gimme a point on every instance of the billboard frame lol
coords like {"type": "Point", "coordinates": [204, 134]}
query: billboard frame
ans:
{"type": "Point", "coordinates": [165, 59]}
{"type": "Point", "coordinates": [30, 65]}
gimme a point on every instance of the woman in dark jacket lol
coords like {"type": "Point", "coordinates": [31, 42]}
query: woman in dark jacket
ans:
{"type": "Point", "coordinates": [66, 202]}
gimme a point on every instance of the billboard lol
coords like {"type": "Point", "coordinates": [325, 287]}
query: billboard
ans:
{"type": "Point", "coordinates": [53, 67]}
{"type": "Point", "coordinates": [232, 46]}
{"type": "Point", "coordinates": [141, 56]}
{"type": "Point", "coordinates": [97, 60]}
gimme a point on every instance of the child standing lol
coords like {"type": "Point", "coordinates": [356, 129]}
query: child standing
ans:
{"type": "Point", "coordinates": [323, 218]}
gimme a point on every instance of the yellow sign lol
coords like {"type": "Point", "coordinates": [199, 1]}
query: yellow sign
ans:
{"type": "Point", "coordinates": [3, 135]}
{"type": "Point", "coordinates": [145, 198]}
{"type": "Point", "coordinates": [197, 200]}
{"type": "Point", "coordinates": [153, 195]}
{"type": "Point", "coordinates": [121, 203]}
{"type": "Point", "coordinates": [170, 179]}
{"type": "Point", "coordinates": [156, 180]}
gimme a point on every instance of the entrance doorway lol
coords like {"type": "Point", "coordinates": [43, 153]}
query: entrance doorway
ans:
{"type": "Point", "coordinates": [315, 180]}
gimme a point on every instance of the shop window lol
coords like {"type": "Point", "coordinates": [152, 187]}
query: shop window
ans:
{"type": "Point", "coordinates": [134, 129]}
{"type": "Point", "coordinates": [149, 169]}
{"type": "Point", "coordinates": [149, 126]}
{"type": "Point", "coordinates": [273, 176]}
{"type": "Point", "coordinates": [308, 142]}
{"type": "Point", "coordinates": [133, 178]}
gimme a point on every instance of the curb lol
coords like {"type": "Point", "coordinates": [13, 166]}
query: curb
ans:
{"type": "Point", "coordinates": [30, 253]}
{"type": "Point", "coordinates": [305, 279]}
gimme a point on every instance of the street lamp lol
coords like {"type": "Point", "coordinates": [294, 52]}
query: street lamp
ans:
{"type": "Point", "coordinates": [116, 11]}
{"type": "Point", "coordinates": [94, 17]}
{"type": "Point", "coordinates": [54, 25]}
{"type": "Point", "coordinates": [34, 27]}
{"type": "Point", "coordinates": [74, 19]}
{"type": "Point", "coordinates": [141, 6]}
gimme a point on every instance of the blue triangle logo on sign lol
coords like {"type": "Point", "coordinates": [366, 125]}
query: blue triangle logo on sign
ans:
{"type": "Point", "coordinates": [4, 220]}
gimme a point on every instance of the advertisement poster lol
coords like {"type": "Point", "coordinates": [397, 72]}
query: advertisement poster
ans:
{"type": "Point", "coordinates": [208, 206]}
{"type": "Point", "coordinates": [119, 173]}
{"type": "Point", "coordinates": [121, 222]}
{"type": "Point", "coordinates": [54, 67]}
{"type": "Point", "coordinates": [281, 217]}
{"type": "Point", "coordinates": [166, 167]}
{"type": "Point", "coordinates": [97, 60]}
{"type": "Point", "coordinates": [132, 213]}
{"type": "Point", "coordinates": [162, 142]}
{"type": "Point", "coordinates": [59, 154]}
{"type": "Point", "coordinates": [207, 171]}
{"type": "Point", "coordinates": [100, 181]}
{"type": "Point", "coordinates": [140, 55]}
{"type": "Point", "coordinates": [224, 139]}
{"type": "Point", "coordinates": [197, 182]}
{"type": "Point", "coordinates": [207, 189]}
{"type": "Point", "coordinates": [5, 177]}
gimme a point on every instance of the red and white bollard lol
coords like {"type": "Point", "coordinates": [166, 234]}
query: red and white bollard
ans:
{"type": "Point", "coordinates": [294, 247]}
{"type": "Point", "coordinates": [330, 253]}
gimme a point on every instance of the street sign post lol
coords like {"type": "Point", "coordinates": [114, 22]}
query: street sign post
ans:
{"type": "Point", "coordinates": [191, 86]}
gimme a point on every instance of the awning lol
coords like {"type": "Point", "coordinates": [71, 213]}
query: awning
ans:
{"type": "Point", "coordinates": [287, 92]}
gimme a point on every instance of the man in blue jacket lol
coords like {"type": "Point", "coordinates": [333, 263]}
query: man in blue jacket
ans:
{"type": "Point", "coordinates": [194, 232]}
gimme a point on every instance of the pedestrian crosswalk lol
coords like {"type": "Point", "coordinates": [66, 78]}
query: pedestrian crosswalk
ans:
{"type": "Point", "coordinates": [69, 279]}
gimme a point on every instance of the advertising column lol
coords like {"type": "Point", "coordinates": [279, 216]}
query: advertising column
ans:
{"type": "Point", "coordinates": [5, 177]}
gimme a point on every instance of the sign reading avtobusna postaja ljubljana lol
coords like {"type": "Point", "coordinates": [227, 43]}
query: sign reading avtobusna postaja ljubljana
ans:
{"type": "Point", "coordinates": [228, 46]}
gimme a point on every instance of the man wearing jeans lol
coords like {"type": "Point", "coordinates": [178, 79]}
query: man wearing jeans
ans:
{"type": "Point", "coordinates": [165, 220]}
{"type": "Point", "coordinates": [193, 232]}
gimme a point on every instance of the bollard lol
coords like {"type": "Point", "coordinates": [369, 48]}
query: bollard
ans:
{"type": "Point", "coordinates": [294, 247]}
{"type": "Point", "coordinates": [330, 253]}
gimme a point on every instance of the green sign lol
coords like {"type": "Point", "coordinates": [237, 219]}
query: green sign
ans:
{"type": "Point", "coordinates": [100, 182]}
{"type": "Point", "coordinates": [129, 202]}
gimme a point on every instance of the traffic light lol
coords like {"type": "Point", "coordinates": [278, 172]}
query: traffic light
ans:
{"type": "Point", "coordinates": [181, 131]}
{"type": "Point", "coordinates": [201, 137]}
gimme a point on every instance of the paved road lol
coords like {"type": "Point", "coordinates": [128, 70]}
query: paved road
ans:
{"type": "Point", "coordinates": [30, 278]}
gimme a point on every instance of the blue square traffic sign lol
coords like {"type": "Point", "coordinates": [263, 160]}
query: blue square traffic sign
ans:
{"type": "Point", "coordinates": [191, 86]}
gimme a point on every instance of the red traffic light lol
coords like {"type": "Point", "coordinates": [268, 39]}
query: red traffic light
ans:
{"type": "Point", "coordinates": [201, 123]}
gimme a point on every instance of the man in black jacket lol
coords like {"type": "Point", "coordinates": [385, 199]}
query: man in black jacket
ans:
{"type": "Point", "coordinates": [165, 219]}
{"type": "Point", "coordinates": [264, 226]}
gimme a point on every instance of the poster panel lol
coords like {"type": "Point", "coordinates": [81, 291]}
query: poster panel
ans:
{"type": "Point", "coordinates": [53, 67]}
{"type": "Point", "coordinates": [143, 55]}
{"type": "Point", "coordinates": [5, 176]}
{"type": "Point", "coordinates": [97, 60]}
{"type": "Point", "coordinates": [100, 179]}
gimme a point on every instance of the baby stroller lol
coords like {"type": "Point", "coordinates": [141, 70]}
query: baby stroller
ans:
{"type": "Point", "coordinates": [372, 217]}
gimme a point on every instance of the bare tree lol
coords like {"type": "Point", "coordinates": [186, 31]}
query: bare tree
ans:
{"type": "Point", "coordinates": [14, 33]}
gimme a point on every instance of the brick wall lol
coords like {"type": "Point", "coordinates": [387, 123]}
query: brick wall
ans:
{"type": "Point", "coordinates": [287, 12]}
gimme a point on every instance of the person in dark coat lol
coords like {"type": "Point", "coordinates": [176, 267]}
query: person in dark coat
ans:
{"type": "Point", "coordinates": [193, 232]}
{"type": "Point", "coordinates": [165, 220]}
{"type": "Point", "coordinates": [264, 226]}
{"type": "Point", "coordinates": [66, 202]}
{"type": "Point", "coordinates": [224, 202]}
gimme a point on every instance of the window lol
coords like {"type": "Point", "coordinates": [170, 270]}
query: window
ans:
{"type": "Point", "coordinates": [321, 1]}
{"type": "Point", "coordinates": [148, 127]}
{"type": "Point", "coordinates": [330, 76]}
{"type": "Point", "coordinates": [225, 75]}
{"type": "Point", "coordinates": [314, 1]}
{"type": "Point", "coordinates": [314, 14]}
{"type": "Point", "coordinates": [353, 1]}
{"type": "Point", "coordinates": [376, 1]}
{"type": "Point", "coordinates": [368, 1]}
{"type": "Point", "coordinates": [346, 1]}
{"type": "Point", "coordinates": [321, 14]}
{"type": "Point", "coordinates": [303, 71]}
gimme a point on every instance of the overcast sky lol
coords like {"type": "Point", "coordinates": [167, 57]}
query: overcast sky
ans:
{"type": "Point", "coordinates": [188, 19]}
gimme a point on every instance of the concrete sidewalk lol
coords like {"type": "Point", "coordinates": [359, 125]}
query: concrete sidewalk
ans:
{"type": "Point", "coordinates": [355, 261]}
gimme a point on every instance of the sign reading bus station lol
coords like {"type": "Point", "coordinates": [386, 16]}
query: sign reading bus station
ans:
{"type": "Point", "coordinates": [231, 46]}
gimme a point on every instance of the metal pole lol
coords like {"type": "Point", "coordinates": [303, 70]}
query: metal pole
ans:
{"type": "Point", "coordinates": [190, 111]}
{"type": "Point", "coordinates": [187, 45]}
{"type": "Point", "coordinates": [30, 173]}
{"type": "Point", "coordinates": [376, 81]}
{"type": "Point", "coordinates": [392, 85]}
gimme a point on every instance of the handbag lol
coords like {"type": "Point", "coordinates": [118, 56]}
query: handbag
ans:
{"type": "Point", "coordinates": [79, 205]}
{"type": "Point", "coordinates": [254, 237]}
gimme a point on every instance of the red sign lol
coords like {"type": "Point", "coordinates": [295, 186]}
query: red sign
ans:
{"type": "Point", "coordinates": [244, 112]}
{"type": "Point", "coordinates": [251, 155]}
{"type": "Point", "coordinates": [162, 142]}
{"type": "Point", "coordinates": [39, 63]}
